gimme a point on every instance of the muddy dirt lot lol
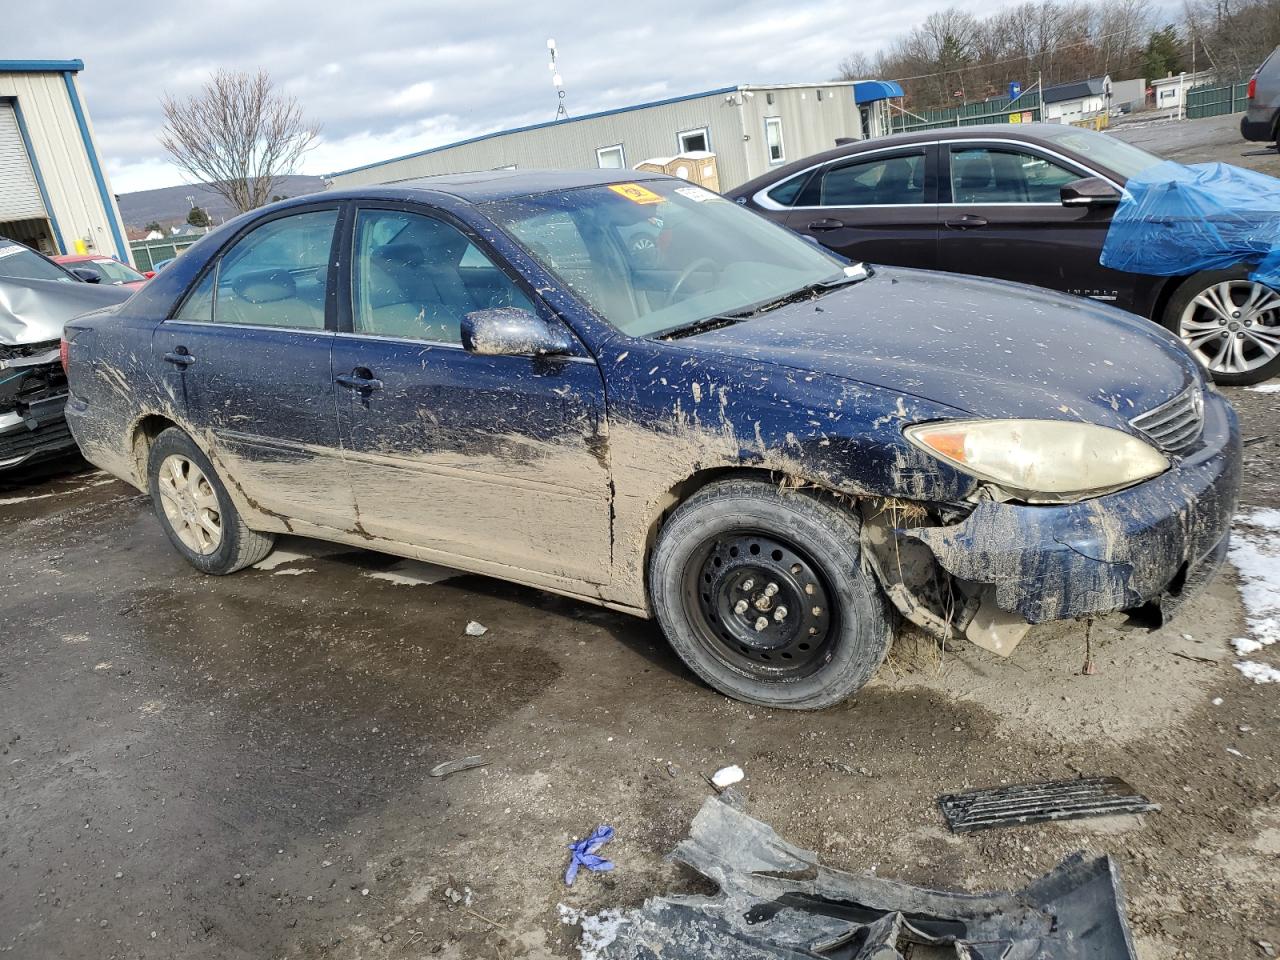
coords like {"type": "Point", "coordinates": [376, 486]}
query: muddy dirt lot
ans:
{"type": "Point", "coordinates": [238, 768]}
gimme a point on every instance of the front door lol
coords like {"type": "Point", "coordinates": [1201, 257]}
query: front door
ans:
{"type": "Point", "coordinates": [497, 458]}
{"type": "Point", "coordinates": [1005, 219]}
{"type": "Point", "coordinates": [880, 208]}
{"type": "Point", "coordinates": [246, 358]}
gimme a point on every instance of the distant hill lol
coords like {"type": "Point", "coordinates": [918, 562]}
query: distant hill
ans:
{"type": "Point", "coordinates": [169, 205]}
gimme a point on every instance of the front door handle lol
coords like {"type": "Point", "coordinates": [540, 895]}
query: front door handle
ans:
{"type": "Point", "coordinates": [361, 379]}
{"type": "Point", "coordinates": [826, 223]}
{"type": "Point", "coordinates": [180, 357]}
{"type": "Point", "coordinates": [966, 222]}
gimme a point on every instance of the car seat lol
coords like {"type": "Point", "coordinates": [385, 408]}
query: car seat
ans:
{"type": "Point", "coordinates": [971, 174]}
{"type": "Point", "coordinates": [268, 298]}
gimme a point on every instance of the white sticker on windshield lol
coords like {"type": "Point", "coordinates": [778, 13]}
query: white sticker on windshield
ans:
{"type": "Point", "coordinates": [11, 249]}
{"type": "Point", "coordinates": [697, 194]}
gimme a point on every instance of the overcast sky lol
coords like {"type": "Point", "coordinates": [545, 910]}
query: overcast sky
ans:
{"type": "Point", "coordinates": [387, 77]}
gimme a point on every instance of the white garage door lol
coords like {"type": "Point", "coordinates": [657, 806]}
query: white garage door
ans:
{"type": "Point", "coordinates": [19, 192]}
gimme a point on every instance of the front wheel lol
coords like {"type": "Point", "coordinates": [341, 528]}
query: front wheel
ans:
{"type": "Point", "coordinates": [1230, 323]}
{"type": "Point", "coordinates": [195, 511]}
{"type": "Point", "coordinates": [761, 593]}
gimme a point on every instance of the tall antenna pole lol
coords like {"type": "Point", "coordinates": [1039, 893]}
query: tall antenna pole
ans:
{"type": "Point", "coordinates": [557, 81]}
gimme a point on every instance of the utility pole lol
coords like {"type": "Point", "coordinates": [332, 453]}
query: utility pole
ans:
{"type": "Point", "coordinates": [557, 81]}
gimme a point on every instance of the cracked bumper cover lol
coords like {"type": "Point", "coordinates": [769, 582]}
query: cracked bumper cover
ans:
{"type": "Point", "coordinates": [1157, 541]}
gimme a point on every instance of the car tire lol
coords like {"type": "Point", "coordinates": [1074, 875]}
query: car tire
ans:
{"type": "Point", "coordinates": [195, 511]}
{"type": "Point", "coordinates": [1195, 322]}
{"type": "Point", "coordinates": [813, 642]}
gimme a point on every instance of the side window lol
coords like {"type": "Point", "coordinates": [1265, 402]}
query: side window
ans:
{"type": "Point", "coordinates": [874, 181]}
{"type": "Point", "coordinates": [198, 307]}
{"type": "Point", "coordinates": [786, 192]}
{"type": "Point", "coordinates": [416, 277]}
{"type": "Point", "coordinates": [998, 175]}
{"type": "Point", "coordinates": [276, 275]}
{"type": "Point", "coordinates": [554, 239]}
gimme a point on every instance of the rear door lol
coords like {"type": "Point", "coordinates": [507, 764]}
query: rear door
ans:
{"type": "Point", "coordinates": [879, 207]}
{"type": "Point", "coordinates": [246, 357]}
{"type": "Point", "coordinates": [1003, 216]}
{"type": "Point", "coordinates": [500, 459]}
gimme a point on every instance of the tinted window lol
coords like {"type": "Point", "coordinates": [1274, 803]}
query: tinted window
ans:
{"type": "Point", "coordinates": [874, 181]}
{"type": "Point", "coordinates": [417, 277]}
{"type": "Point", "coordinates": [786, 192]}
{"type": "Point", "coordinates": [22, 263]}
{"type": "Point", "coordinates": [997, 175]}
{"type": "Point", "coordinates": [277, 274]}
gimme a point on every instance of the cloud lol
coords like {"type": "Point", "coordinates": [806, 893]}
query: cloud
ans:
{"type": "Point", "coordinates": [387, 77]}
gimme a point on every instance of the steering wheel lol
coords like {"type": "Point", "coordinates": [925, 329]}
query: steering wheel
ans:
{"type": "Point", "coordinates": [686, 273]}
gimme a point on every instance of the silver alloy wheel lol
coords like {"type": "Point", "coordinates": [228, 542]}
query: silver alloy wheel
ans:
{"type": "Point", "coordinates": [190, 504]}
{"type": "Point", "coordinates": [1233, 326]}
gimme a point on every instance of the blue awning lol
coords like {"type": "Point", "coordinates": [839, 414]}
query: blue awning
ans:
{"type": "Point", "coordinates": [866, 91]}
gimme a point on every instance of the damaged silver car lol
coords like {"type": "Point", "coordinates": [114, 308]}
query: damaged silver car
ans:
{"type": "Point", "coordinates": [36, 298]}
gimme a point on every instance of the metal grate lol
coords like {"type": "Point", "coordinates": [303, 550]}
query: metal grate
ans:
{"type": "Point", "coordinates": [1175, 425]}
{"type": "Point", "coordinates": [1041, 802]}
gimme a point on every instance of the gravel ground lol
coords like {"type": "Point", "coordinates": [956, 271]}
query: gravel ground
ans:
{"type": "Point", "coordinates": [1201, 141]}
{"type": "Point", "coordinates": [238, 767]}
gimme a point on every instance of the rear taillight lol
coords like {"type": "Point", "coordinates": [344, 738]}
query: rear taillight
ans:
{"type": "Point", "coordinates": [1253, 87]}
{"type": "Point", "coordinates": [64, 353]}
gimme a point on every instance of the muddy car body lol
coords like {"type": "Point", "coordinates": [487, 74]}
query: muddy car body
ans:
{"type": "Point", "coordinates": [36, 299]}
{"type": "Point", "coordinates": [764, 480]}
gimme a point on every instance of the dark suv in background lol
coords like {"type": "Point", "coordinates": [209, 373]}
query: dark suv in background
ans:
{"type": "Point", "coordinates": [1262, 120]}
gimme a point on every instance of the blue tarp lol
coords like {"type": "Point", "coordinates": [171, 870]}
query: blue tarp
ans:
{"type": "Point", "coordinates": [1176, 219]}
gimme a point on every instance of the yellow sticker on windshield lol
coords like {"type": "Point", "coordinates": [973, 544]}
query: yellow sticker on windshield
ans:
{"type": "Point", "coordinates": [635, 193]}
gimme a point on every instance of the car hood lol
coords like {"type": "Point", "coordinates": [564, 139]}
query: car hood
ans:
{"type": "Point", "coordinates": [33, 311]}
{"type": "Point", "coordinates": [983, 347]}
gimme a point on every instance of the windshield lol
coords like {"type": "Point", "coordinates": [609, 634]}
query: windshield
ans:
{"type": "Point", "coordinates": [21, 263]}
{"type": "Point", "coordinates": [660, 255]}
{"type": "Point", "coordinates": [1104, 149]}
{"type": "Point", "coordinates": [113, 271]}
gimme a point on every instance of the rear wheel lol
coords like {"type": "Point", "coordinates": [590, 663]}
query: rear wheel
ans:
{"type": "Point", "coordinates": [1230, 323]}
{"type": "Point", "coordinates": [195, 511]}
{"type": "Point", "coordinates": [761, 593]}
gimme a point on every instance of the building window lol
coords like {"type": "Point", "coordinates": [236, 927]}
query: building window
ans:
{"type": "Point", "coordinates": [692, 140]}
{"type": "Point", "coordinates": [773, 139]}
{"type": "Point", "coordinates": [610, 158]}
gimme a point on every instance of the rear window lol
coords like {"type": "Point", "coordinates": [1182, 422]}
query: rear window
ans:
{"type": "Point", "coordinates": [21, 263]}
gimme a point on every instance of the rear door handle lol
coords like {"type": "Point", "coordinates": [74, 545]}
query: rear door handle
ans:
{"type": "Point", "coordinates": [180, 357]}
{"type": "Point", "coordinates": [360, 379]}
{"type": "Point", "coordinates": [826, 223]}
{"type": "Point", "coordinates": [966, 222]}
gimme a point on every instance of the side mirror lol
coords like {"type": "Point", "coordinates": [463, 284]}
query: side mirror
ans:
{"type": "Point", "coordinates": [1089, 192]}
{"type": "Point", "coordinates": [88, 276]}
{"type": "Point", "coordinates": [512, 332]}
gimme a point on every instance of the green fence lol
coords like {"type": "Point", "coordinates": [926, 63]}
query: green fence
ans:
{"type": "Point", "coordinates": [1026, 109]}
{"type": "Point", "coordinates": [147, 253]}
{"type": "Point", "coordinates": [1214, 101]}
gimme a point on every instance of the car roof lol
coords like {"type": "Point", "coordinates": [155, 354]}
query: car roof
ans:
{"type": "Point", "coordinates": [488, 185]}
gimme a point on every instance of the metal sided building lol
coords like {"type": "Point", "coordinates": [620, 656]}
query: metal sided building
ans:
{"type": "Point", "coordinates": [748, 127]}
{"type": "Point", "coordinates": [54, 193]}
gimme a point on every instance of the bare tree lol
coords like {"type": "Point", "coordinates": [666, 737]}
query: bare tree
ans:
{"type": "Point", "coordinates": [238, 135]}
{"type": "Point", "coordinates": [856, 66]}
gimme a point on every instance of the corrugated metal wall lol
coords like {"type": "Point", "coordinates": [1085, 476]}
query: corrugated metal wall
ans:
{"type": "Point", "coordinates": [63, 162]}
{"type": "Point", "coordinates": [809, 125]}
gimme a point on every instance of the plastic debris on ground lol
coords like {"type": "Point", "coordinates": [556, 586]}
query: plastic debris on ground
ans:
{"type": "Point", "coordinates": [777, 901]}
{"type": "Point", "coordinates": [1041, 803]}
{"type": "Point", "coordinates": [457, 766]}
{"type": "Point", "coordinates": [584, 853]}
{"type": "Point", "coordinates": [727, 776]}
{"type": "Point", "coordinates": [1174, 219]}
{"type": "Point", "coordinates": [476, 629]}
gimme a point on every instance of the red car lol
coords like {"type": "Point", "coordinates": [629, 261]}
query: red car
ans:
{"type": "Point", "coordinates": [106, 269]}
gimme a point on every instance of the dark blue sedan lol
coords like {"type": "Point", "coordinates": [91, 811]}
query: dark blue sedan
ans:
{"type": "Point", "coordinates": [625, 389]}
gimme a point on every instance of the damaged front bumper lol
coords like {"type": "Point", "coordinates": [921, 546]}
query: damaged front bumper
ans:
{"type": "Point", "coordinates": [33, 397]}
{"type": "Point", "coordinates": [1153, 543]}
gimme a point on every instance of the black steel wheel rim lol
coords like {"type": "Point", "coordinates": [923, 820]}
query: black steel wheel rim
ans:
{"type": "Point", "coordinates": [761, 606]}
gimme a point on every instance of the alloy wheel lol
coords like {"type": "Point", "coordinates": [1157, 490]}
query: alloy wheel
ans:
{"type": "Point", "coordinates": [190, 504]}
{"type": "Point", "coordinates": [1233, 326]}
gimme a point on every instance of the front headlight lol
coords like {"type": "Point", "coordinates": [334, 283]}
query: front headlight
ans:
{"type": "Point", "coordinates": [1046, 461]}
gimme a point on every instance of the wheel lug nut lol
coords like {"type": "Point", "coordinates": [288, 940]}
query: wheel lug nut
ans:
{"type": "Point", "coordinates": [740, 607]}
{"type": "Point", "coordinates": [780, 614]}
{"type": "Point", "coordinates": [761, 623]}
{"type": "Point", "coordinates": [817, 611]}
{"type": "Point", "coordinates": [808, 588]}
{"type": "Point", "coordinates": [748, 584]}
{"type": "Point", "coordinates": [770, 590]}
{"type": "Point", "coordinates": [1235, 313]}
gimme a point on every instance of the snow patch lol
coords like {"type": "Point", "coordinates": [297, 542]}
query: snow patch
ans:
{"type": "Point", "coordinates": [293, 571]}
{"type": "Point", "coordinates": [412, 573]}
{"type": "Point", "coordinates": [598, 930]}
{"type": "Point", "coordinates": [1255, 553]}
{"type": "Point", "coordinates": [1258, 672]}
{"type": "Point", "coordinates": [1265, 388]}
